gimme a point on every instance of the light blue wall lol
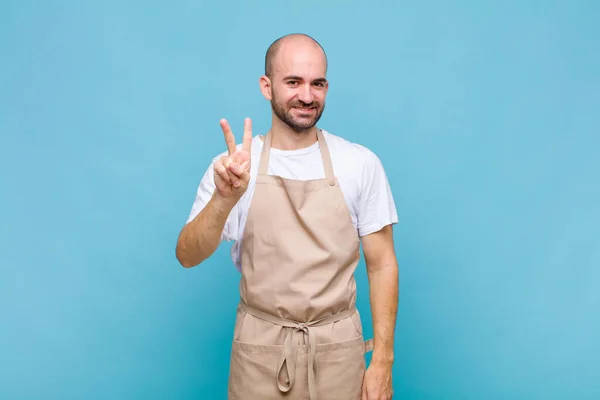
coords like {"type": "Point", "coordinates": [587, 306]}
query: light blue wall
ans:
{"type": "Point", "coordinates": [485, 115]}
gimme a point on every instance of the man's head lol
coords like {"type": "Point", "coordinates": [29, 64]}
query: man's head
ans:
{"type": "Point", "coordinates": [295, 80]}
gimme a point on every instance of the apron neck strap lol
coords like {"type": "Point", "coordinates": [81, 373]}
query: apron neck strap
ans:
{"type": "Point", "coordinates": [325, 156]}
{"type": "Point", "coordinates": [264, 155]}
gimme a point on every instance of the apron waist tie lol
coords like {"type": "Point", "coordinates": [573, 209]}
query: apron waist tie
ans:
{"type": "Point", "coordinates": [287, 360]}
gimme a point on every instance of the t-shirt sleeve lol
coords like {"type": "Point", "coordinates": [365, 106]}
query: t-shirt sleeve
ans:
{"type": "Point", "coordinates": [376, 207]}
{"type": "Point", "coordinates": [204, 193]}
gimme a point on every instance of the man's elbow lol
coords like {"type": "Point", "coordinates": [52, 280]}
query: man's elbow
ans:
{"type": "Point", "coordinates": [186, 263]}
{"type": "Point", "coordinates": [185, 258]}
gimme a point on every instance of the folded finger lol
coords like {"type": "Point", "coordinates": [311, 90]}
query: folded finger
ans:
{"type": "Point", "coordinates": [235, 180]}
{"type": "Point", "coordinates": [222, 172]}
{"type": "Point", "coordinates": [236, 169]}
{"type": "Point", "coordinates": [236, 174]}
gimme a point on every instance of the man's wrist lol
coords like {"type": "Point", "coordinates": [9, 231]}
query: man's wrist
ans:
{"type": "Point", "coordinates": [383, 358]}
{"type": "Point", "coordinates": [224, 204]}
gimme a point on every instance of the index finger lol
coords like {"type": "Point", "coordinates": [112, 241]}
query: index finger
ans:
{"type": "Point", "coordinates": [229, 138]}
{"type": "Point", "coordinates": [247, 140]}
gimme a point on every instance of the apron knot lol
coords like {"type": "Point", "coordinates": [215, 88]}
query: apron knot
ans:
{"type": "Point", "coordinates": [302, 326]}
{"type": "Point", "coordinates": [286, 367]}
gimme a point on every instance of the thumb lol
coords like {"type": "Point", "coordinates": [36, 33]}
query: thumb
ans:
{"type": "Point", "coordinates": [241, 171]}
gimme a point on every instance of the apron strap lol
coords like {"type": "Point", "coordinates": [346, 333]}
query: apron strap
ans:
{"type": "Point", "coordinates": [263, 167]}
{"type": "Point", "coordinates": [325, 156]}
{"type": "Point", "coordinates": [286, 368]}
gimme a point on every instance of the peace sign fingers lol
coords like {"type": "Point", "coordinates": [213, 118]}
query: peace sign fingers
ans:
{"type": "Point", "coordinates": [229, 138]}
{"type": "Point", "coordinates": [232, 171]}
{"type": "Point", "coordinates": [247, 140]}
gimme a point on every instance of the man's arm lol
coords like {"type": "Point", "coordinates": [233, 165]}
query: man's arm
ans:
{"type": "Point", "coordinates": [200, 238]}
{"type": "Point", "coordinates": [382, 270]}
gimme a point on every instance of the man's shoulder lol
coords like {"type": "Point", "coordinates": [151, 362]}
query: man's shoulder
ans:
{"type": "Point", "coordinates": [346, 150]}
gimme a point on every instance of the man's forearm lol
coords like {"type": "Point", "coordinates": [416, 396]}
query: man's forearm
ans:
{"type": "Point", "coordinates": [200, 238]}
{"type": "Point", "coordinates": [383, 287]}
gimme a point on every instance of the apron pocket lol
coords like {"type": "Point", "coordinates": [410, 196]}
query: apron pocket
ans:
{"type": "Point", "coordinates": [252, 372]}
{"type": "Point", "coordinates": [340, 369]}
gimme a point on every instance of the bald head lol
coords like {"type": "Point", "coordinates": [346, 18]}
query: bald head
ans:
{"type": "Point", "coordinates": [292, 42]}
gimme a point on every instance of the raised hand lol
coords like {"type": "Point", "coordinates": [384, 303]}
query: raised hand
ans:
{"type": "Point", "coordinates": [232, 172]}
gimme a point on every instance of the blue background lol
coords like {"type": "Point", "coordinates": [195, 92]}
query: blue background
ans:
{"type": "Point", "coordinates": [486, 116]}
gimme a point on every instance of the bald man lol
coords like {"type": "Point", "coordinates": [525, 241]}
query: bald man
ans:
{"type": "Point", "coordinates": [297, 203]}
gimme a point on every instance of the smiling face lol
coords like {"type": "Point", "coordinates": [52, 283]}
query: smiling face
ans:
{"type": "Point", "coordinates": [296, 85]}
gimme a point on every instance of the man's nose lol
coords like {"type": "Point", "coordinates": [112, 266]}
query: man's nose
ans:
{"type": "Point", "coordinates": [306, 95]}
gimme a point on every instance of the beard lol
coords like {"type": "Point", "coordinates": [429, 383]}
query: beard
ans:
{"type": "Point", "coordinates": [298, 124]}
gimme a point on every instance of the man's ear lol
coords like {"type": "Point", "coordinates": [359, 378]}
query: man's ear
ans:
{"type": "Point", "coordinates": [265, 87]}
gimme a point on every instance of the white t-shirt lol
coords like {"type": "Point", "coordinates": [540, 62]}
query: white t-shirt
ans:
{"type": "Point", "coordinates": [359, 171]}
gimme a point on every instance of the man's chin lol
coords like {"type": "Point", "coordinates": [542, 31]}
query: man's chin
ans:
{"type": "Point", "coordinates": [302, 126]}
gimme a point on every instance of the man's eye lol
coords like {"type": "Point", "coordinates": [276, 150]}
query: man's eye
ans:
{"type": "Point", "coordinates": [292, 82]}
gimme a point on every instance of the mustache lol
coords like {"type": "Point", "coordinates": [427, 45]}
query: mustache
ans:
{"type": "Point", "coordinates": [301, 104]}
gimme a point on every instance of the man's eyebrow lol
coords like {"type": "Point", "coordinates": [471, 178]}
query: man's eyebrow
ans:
{"type": "Point", "coordinates": [298, 78]}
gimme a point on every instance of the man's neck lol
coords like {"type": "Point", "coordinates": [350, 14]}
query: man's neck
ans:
{"type": "Point", "coordinates": [284, 138]}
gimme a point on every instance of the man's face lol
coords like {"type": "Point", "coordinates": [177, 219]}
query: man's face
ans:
{"type": "Point", "coordinates": [298, 85]}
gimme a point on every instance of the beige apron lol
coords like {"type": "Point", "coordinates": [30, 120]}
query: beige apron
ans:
{"type": "Point", "coordinates": [298, 334]}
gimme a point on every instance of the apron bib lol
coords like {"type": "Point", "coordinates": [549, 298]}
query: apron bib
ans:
{"type": "Point", "coordinates": [298, 334]}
